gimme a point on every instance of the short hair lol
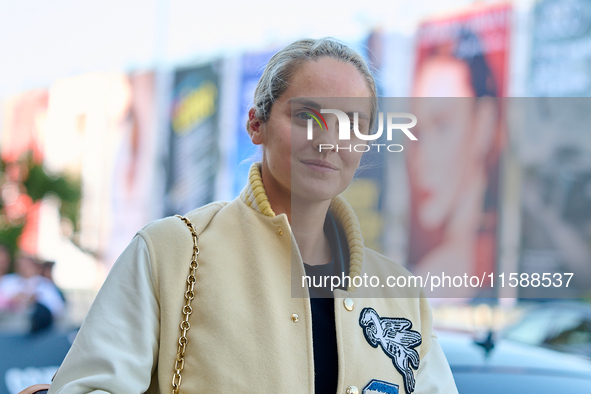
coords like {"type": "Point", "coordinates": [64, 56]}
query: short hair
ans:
{"type": "Point", "coordinates": [275, 79]}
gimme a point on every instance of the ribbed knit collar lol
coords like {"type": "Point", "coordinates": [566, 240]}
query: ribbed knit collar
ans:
{"type": "Point", "coordinates": [255, 196]}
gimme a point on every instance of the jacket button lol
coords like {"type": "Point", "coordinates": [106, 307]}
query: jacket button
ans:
{"type": "Point", "coordinates": [279, 231]}
{"type": "Point", "coordinates": [352, 390]}
{"type": "Point", "coordinates": [295, 318]}
{"type": "Point", "coordinates": [349, 304]}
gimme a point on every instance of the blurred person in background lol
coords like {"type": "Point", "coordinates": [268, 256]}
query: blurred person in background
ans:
{"type": "Point", "coordinates": [453, 167]}
{"type": "Point", "coordinates": [26, 291]}
{"type": "Point", "coordinates": [242, 330]}
{"type": "Point", "coordinates": [5, 260]}
{"type": "Point", "coordinates": [5, 263]}
{"type": "Point", "coordinates": [47, 272]}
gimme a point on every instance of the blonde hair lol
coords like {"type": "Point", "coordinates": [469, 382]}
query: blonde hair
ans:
{"type": "Point", "coordinates": [284, 64]}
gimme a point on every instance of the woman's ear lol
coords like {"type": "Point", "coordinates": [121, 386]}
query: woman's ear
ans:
{"type": "Point", "coordinates": [254, 127]}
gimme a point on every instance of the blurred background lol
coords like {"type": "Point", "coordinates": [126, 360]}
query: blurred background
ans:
{"type": "Point", "coordinates": [113, 114]}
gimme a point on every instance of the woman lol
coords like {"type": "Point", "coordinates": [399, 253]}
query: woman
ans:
{"type": "Point", "coordinates": [247, 332]}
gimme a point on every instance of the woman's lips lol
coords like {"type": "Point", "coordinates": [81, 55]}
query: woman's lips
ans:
{"type": "Point", "coordinates": [320, 165]}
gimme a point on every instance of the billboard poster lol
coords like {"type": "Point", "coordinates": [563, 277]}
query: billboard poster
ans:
{"type": "Point", "coordinates": [366, 191]}
{"type": "Point", "coordinates": [555, 147]}
{"type": "Point", "coordinates": [90, 112]}
{"type": "Point", "coordinates": [555, 154]}
{"type": "Point", "coordinates": [193, 144]}
{"type": "Point", "coordinates": [133, 166]}
{"type": "Point", "coordinates": [87, 118]}
{"type": "Point", "coordinates": [453, 169]}
{"type": "Point", "coordinates": [396, 61]}
{"type": "Point", "coordinates": [560, 64]}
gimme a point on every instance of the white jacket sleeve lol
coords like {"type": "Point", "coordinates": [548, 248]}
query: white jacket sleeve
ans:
{"type": "Point", "coordinates": [434, 375]}
{"type": "Point", "coordinates": [116, 349]}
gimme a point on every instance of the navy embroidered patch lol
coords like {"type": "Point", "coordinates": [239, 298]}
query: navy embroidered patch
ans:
{"type": "Point", "coordinates": [397, 341]}
{"type": "Point", "coordinates": [380, 387]}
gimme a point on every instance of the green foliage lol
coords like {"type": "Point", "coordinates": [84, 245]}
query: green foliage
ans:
{"type": "Point", "coordinates": [38, 184]}
{"type": "Point", "coordinates": [9, 235]}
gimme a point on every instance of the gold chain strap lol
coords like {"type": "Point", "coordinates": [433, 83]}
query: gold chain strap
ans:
{"type": "Point", "coordinates": [187, 310]}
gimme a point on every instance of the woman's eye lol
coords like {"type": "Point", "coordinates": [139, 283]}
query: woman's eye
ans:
{"type": "Point", "coordinates": [362, 127]}
{"type": "Point", "coordinates": [304, 115]}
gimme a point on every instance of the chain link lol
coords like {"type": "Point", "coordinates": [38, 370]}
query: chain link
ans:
{"type": "Point", "coordinates": [179, 363]}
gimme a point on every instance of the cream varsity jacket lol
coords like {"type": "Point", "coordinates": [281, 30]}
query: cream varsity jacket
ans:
{"type": "Point", "coordinates": [248, 333]}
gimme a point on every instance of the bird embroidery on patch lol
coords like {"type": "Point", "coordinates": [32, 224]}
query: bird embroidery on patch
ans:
{"type": "Point", "coordinates": [397, 340]}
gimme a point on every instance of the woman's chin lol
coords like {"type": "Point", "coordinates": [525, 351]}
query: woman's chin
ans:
{"type": "Point", "coordinates": [311, 194]}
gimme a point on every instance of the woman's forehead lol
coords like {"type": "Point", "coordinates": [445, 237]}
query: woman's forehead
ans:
{"type": "Point", "coordinates": [327, 77]}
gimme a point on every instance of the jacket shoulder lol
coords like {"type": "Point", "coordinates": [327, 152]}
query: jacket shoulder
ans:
{"type": "Point", "coordinates": [200, 218]}
{"type": "Point", "coordinates": [169, 242]}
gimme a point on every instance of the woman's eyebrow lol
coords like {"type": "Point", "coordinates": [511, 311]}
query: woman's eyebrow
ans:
{"type": "Point", "coordinates": [311, 103]}
{"type": "Point", "coordinates": [306, 102]}
{"type": "Point", "coordinates": [361, 114]}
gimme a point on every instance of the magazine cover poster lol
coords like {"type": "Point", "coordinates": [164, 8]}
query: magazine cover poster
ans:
{"type": "Point", "coordinates": [193, 150]}
{"type": "Point", "coordinates": [453, 169]}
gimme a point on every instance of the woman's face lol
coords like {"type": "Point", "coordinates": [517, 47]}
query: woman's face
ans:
{"type": "Point", "coordinates": [448, 155]}
{"type": "Point", "coordinates": [294, 163]}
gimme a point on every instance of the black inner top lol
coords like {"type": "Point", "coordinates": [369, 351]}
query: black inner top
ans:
{"type": "Point", "coordinates": [322, 304]}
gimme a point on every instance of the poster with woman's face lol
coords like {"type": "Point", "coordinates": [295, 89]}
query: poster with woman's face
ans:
{"type": "Point", "coordinates": [453, 167]}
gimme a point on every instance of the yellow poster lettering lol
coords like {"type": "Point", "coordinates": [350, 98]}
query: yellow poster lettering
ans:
{"type": "Point", "coordinates": [194, 107]}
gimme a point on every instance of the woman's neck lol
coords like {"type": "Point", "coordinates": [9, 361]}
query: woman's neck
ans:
{"type": "Point", "coordinates": [305, 217]}
{"type": "Point", "coordinates": [307, 224]}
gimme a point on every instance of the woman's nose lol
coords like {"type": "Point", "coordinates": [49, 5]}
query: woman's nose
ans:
{"type": "Point", "coordinates": [327, 139]}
